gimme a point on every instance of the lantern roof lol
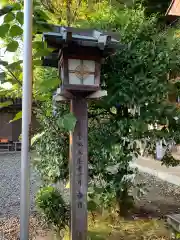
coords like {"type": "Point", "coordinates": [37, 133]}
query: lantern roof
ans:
{"type": "Point", "coordinates": [83, 37]}
{"type": "Point", "coordinates": [61, 37]}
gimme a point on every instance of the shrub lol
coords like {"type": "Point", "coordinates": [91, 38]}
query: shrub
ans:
{"type": "Point", "coordinates": [54, 209]}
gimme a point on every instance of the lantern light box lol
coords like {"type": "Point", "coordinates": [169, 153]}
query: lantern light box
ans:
{"type": "Point", "coordinates": [78, 55]}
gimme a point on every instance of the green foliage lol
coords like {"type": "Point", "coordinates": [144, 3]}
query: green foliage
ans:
{"type": "Point", "coordinates": [12, 46]}
{"type": "Point", "coordinates": [6, 104]}
{"type": "Point", "coordinates": [15, 31]}
{"type": "Point", "coordinates": [36, 137]}
{"type": "Point", "coordinates": [11, 33]}
{"type": "Point", "coordinates": [158, 6]}
{"type": "Point", "coordinates": [54, 209]}
{"type": "Point", "coordinates": [68, 122]}
{"type": "Point", "coordinates": [9, 17]}
{"type": "Point", "coordinates": [4, 28]}
{"type": "Point", "coordinates": [20, 17]}
{"type": "Point", "coordinates": [53, 146]}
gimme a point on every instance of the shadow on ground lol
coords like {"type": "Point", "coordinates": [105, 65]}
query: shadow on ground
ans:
{"type": "Point", "coordinates": [155, 209]}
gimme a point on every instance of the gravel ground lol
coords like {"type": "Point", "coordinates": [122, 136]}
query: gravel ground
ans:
{"type": "Point", "coordinates": [162, 198]}
{"type": "Point", "coordinates": [10, 185]}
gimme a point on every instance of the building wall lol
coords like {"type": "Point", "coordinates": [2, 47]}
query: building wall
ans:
{"type": "Point", "coordinates": [5, 126]}
{"type": "Point", "coordinates": [16, 130]}
{"type": "Point", "coordinates": [12, 131]}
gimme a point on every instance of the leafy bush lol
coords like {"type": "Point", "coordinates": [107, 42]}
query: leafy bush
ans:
{"type": "Point", "coordinates": [53, 207]}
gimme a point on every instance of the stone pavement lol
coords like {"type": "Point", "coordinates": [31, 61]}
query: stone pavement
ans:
{"type": "Point", "coordinates": [154, 167]}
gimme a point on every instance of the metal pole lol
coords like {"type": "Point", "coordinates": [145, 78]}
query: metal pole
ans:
{"type": "Point", "coordinates": [26, 120]}
{"type": "Point", "coordinates": [79, 170]}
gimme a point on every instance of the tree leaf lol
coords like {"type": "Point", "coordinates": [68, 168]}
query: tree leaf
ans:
{"type": "Point", "coordinates": [37, 62]}
{"type": "Point", "coordinates": [3, 63]}
{"type": "Point", "coordinates": [4, 28]}
{"type": "Point", "coordinates": [68, 185]}
{"type": "Point", "coordinates": [38, 44]}
{"type": "Point", "coordinates": [2, 74]}
{"type": "Point", "coordinates": [9, 17]}
{"type": "Point", "coordinates": [3, 92]}
{"type": "Point", "coordinates": [17, 117]}
{"type": "Point", "coordinates": [20, 17]}
{"type": "Point", "coordinates": [42, 97]}
{"type": "Point", "coordinates": [15, 31]}
{"type": "Point", "coordinates": [69, 121]}
{"type": "Point", "coordinates": [45, 86]}
{"type": "Point", "coordinates": [5, 10]}
{"type": "Point", "coordinates": [6, 104]}
{"type": "Point", "coordinates": [16, 6]}
{"type": "Point", "coordinates": [12, 46]}
{"type": "Point", "coordinates": [15, 65]}
{"type": "Point", "coordinates": [42, 52]}
{"type": "Point", "coordinates": [2, 77]}
{"type": "Point", "coordinates": [41, 15]}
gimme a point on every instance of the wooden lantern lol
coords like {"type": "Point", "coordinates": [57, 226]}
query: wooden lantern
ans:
{"type": "Point", "coordinates": [77, 55]}
{"type": "Point", "coordinates": [80, 68]}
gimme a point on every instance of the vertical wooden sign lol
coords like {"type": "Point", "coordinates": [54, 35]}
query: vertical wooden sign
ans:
{"type": "Point", "coordinates": [79, 170]}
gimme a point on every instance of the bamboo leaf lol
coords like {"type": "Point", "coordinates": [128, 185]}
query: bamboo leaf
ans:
{"type": "Point", "coordinates": [17, 117]}
{"type": "Point", "coordinates": [6, 104]}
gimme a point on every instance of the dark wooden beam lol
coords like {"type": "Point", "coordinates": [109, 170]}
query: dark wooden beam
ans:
{"type": "Point", "coordinates": [79, 169]}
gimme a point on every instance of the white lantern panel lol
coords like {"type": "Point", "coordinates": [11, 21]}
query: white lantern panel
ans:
{"type": "Point", "coordinates": [89, 80]}
{"type": "Point", "coordinates": [90, 65]}
{"type": "Point", "coordinates": [73, 79]}
{"type": "Point", "coordinates": [81, 72]}
{"type": "Point", "coordinates": [73, 63]}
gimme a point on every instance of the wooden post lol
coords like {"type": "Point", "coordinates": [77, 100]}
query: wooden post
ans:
{"type": "Point", "coordinates": [79, 169]}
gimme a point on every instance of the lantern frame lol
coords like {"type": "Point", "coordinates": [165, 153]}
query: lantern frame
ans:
{"type": "Point", "coordinates": [82, 54]}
